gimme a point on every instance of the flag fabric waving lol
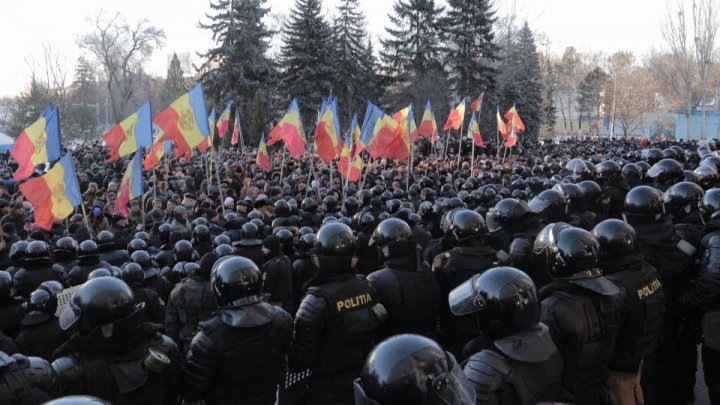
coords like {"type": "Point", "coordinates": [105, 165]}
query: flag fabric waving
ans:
{"type": "Point", "coordinates": [413, 133]}
{"type": "Point", "coordinates": [55, 194]}
{"type": "Point", "coordinates": [131, 134]}
{"type": "Point", "coordinates": [406, 121]}
{"type": "Point", "coordinates": [131, 185]}
{"type": "Point", "coordinates": [428, 125]}
{"type": "Point", "coordinates": [513, 119]}
{"type": "Point", "coordinates": [185, 121]}
{"type": "Point", "coordinates": [474, 131]}
{"type": "Point", "coordinates": [157, 152]}
{"type": "Point", "coordinates": [477, 104]}
{"type": "Point", "coordinates": [203, 146]}
{"type": "Point", "coordinates": [39, 143]}
{"type": "Point", "coordinates": [347, 156]}
{"type": "Point", "coordinates": [263, 159]}
{"type": "Point", "coordinates": [512, 137]}
{"type": "Point", "coordinates": [223, 123]}
{"type": "Point", "coordinates": [237, 129]}
{"type": "Point", "coordinates": [290, 130]}
{"type": "Point", "coordinates": [367, 132]}
{"type": "Point", "coordinates": [501, 126]}
{"type": "Point", "coordinates": [455, 118]}
{"type": "Point", "coordinates": [327, 131]}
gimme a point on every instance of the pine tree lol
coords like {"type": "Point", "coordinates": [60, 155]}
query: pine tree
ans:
{"type": "Point", "coordinates": [81, 118]}
{"type": "Point", "coordinates": [412, 49]}
{"type": "Point", "coordinates": [307, 56]}
{"type": "Point", "coordinates": [549, 109]}
{"type": "Point", "coordinates": [370, 87]}
{"type": "Point", "coordinates": [469, 46]}
{"type": "Point", "coordinates": [257, 119]}
{"type": "Point", "coordinates": [589, 99]}
{"type": "Point", "coordinates": [525, 88]}
{"type": "Point", "coordinates": [239, 64]}
{"type": "Point", "coordinates": [175, 84]}
{"type": "Point", "coordinates": [350, 38]}
{"type": "Point", "coordinates": [31, 104]}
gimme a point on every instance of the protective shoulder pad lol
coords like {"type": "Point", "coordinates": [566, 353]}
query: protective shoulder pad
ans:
{"type": "Point", "coordinates": [67, 370]}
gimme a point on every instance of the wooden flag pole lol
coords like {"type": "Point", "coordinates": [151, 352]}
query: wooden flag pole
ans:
{"type": "Point", "coordinates": [460, 140]}
{"type": "Point", "coordinates": [472, 156]}
{"type": "Point", "coordinates": [367, 169]}
{"type": "Point", "coordinates": [282, 166]}
{"type": "Point", "coordinates": [217, 175]}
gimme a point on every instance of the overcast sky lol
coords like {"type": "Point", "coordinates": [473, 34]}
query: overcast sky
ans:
{"type": "Point", "coordinates": [26, 25]}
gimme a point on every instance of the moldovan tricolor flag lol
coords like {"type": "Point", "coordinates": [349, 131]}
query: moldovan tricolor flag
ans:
{"type": "Point", "coordinates": [512, 138]}
{"type": "Point", "coordinates": [157, 152]}
{"type": "Point", "coordinates": [185, 121]}
{"type": "Point", "coordinates": [456, 117]}
{"type": "Point", "coordinates": [477, 104]}
{"type": "Point", "coordinates": [223, 123]}
{"type": "Point", "coordinates": [55, 194]}
{"type": "Point", "coordinates": [211, 122]}
{"type": "Point", "coordinates": [131, 134]}
{"type": "Point", "coordinates": [474, 131]}
{"type": "Point", "coordinates": [347, 156]}
{"type": "Point", "coordinates": [39, 143]}
{"type": "Point", "coordinates": [263, 160]}
{"type": "Point", "coordinates": [502, 127]}
{"type": "Point", "coordinates": [513, 119]}
{"type": "Point", "coordinates": [290, 130]}
{"type": "Point", "coordinates": [131, 185]}
{"type": "Point", "coordinates": [237, 130]}
{"type": "Point", "coordinates": [327, 131]}
{"type": "Point", "coordinates": [428, 125]}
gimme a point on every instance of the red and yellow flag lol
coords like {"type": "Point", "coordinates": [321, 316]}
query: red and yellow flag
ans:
{"type": "Point", "coordinates": [223, 123]}
{"type": "Point", "coordinates": [185, 121]}
{"type": "Point", "coordinates": [350, 153]}
{"type": "Point", "coordinates": [156, 152]}
{"type": "Point", "coordinates": [474, 131]}
{"type": "Point", "coordinates": [501, 126]}
{"type": "Point", "coordinates": [237, 129]}
{"type": "Point", "coordinates": [202, 148]}
{"type": "Point", "coordinates": [428, 125]}
{"type": "Point", "coordinates": [455, 119]}
{"type": "Point", "coordinates": [290, 130]}
{"type": "Point", "coordinates": [327, 132]}
{"type": "Point", "coordinates": [263, 160]}
{"type": "Point", "coordinates": [513, 119]}
{"type": "Point", "coordinates": [39, 143]}
{"type": "Point", "coordinates": [55, 194]}
{"type": "Point", "coordinates": [131, 134]}
{"type": "Point", "coordinates": [477, 104]}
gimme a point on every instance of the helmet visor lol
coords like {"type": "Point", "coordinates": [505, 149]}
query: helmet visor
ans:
{"type": "Point", "coordinates": [464, 300]}
{"type": "Point", "coordinates": [69, 316]}
{"type": "Point", "coordinates": [493, 226]}
{"type": "Point", "coordinates": [654, 171]}
{"type": "Point", "coordinates": [538, 205]}
{"type": "Point", "coordinates": [453, 387]}
{"type": "Point", "coordinates": [360, 397]}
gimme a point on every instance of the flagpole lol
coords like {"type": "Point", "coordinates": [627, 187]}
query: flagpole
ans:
{"type": "Point", "coordinates": [411, 158]}
{"type": "Point", "coordinates": [217, 174]}
{"type": "Point", "coordinates": [367, 169]}
{"type": "Point", "coordinates": [462, 124]}
{"type": "Point", "coordinates": [472, 156]}
{"type": "Point", "coordinates": [282, 165]}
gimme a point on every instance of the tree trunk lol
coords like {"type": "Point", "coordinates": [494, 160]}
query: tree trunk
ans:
{"type": "Point", "coordinates": [570, 108]}
{"type": "Point", "coordinates": [702, 108]}
{"type": "Point", "coordinates": [689, 113]}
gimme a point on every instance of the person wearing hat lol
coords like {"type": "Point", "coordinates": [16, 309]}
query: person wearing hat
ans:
{"type": "Point", "coordinates": [135, 217]}
{"type": "Point", "coordinates": [16, 216]}
{"type": "Point", "coordinates": [119, 228]}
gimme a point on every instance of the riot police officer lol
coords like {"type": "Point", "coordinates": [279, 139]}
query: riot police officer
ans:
{"type": "Point", "coordinates": [581, 308]}
{"type": "Point", "coordinates": [133, 275]}
{"type": "Point", "coordinates": [277, 275]}
{"type": "Point", "coordinates": [405, 287]}
{"type": "Point", "coordinates": [470, 255]}
{"type": "Point", "coordinates": [335, 323]}
{"type": "Point", "coordinates": [190, 303]}
{"type": "Point", "coordinates": [614, 188]}
{"type": "Point", "coordinates": [232, 227]}
{"type": "Point", "coordinates": [412, 369]}
{"type": "Point", "coordinates": [303, 268]}
{"type": "Point", "coordinates": [25, 380]}
{"type": "Point", "coordinates": [37, 268]}
{"type": "Point", "coordinates": [622, 263]}
{"type": "Point", "coordinates": [152, 280]}
{"type": "Point", "coordinates": [515, 218]}
{"type": "Point", "coordinates": [108, 250]}
{"type": "Point", "coordinates": [201, 240]}
{"type": "Point", "coordinates": [681, 200]}
{"type": "Point", "coordinates": [367, 257]}
{"type": "Point", "coordinates": [11, 310]}
{"type": "Point", "coordinates": [250, 245]}
{"type": "Point", "coordinates": [238, 355]}
{"type": "Point", "coordinates": [65, 253]}
{"type": "Point", "coordinates": [40, 333]}
{"type": "Point", "coordinates": [184, 257]}
{"type": "Point", "coordinates": [164, 256]}
{"type": "Point", "coordinates": [515, 361]}
{"type": "Point", "coordinates": [113, 356]}
{"type": "Point", "coordinates": [88, 261]}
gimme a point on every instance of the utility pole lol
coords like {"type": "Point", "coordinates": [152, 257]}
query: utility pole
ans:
{"type": "Point", "coordinates": [612, 121]}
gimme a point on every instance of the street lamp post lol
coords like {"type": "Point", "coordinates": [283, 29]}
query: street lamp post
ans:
{"type": "Point", "coordinates": [612, 114]}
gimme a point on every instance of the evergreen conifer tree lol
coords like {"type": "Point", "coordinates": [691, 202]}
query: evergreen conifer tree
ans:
{"type": "Point", "coordinates": [350, 53]}
{"type": "Point", "coordinates": [175, 84]}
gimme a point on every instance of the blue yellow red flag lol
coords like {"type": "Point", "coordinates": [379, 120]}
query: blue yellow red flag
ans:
{"type": "Point", "coordinates": [37, 144]}
{"type": "Point", "coordinates": [131, 185]}
{"type": "Point", "coordinates": [185, 121]}
{"type": "Point", "coordinates": [131, 134]}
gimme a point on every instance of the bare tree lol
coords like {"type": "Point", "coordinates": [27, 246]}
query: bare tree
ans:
{"type": "Point", "coordinates": [705, 28]}
{"type": "Point", "coordinates": [121, 49]}
{"type": "Point", "coordinates": [677, 44]}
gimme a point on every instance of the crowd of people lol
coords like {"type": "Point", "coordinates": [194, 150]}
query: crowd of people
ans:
{"type": "Point", "coordinates": [575, 272]}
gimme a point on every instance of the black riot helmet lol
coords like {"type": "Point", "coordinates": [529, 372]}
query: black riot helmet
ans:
{"type": "Point", "coordinates": [412, 369]}
{"type": "Point", "coordinates": [222, 240]}
{"type": "Point", "coordinates": [135, 245]}
{"type": "Point", "coordinates": [133, 274]}
{"type": "Point", "coordinates": [88, 249]}
{"type": "Point", "coordinates": [350, 206]}
{"type": "Point", "coordinates": [101, 272]}
{"type": "Point", "coordinates": [7, 289]}
{"type": "Point", "coordinates": [99, 303]}
{"type": "Point", "coordinates": [608, 171]}
{"type": "Point", "coordinates": [42, 302]}
{"type": "Point", "coordinates": [305, 230]}
{"type": "Point", "coordinates": [232, 221]}
{"type": "Point", "coordinates": [393, 206]}
{"type": "Point", "coordinates": [583, 169]}
{"type": "Point", "coordinates": [666, 171]}
{"type": "Point", "coordinates": [236, 282]}
{"type": "Point", "coordinates": [255, 214]}
{"type": "Point", "coordinates": [196, 222]}
{"type": "Point", "coordinates": [631, 171]}
{"type": "Point", "coordinates": [367, 223]}
{"type": "Point", "coordinates": [201, 233]}
{"type": "Point", "coordinates": [507, 214]}
{"type": "Point", "coordinates": [164, 231]}
{"type": "Point", "coordinates": [643, 204]}
{"type": "Point", "coordinates": [309, 205]}
{"type": "Point", "coordinates": [593, 192]}
{"type": "Point", "coordinates": [18, 251]}
{"type": "Point", "coordinates": [78, 400]}
{"type": "Point", "coordinates": [306, 242]}
{"type": "Point", "coordinates": [183, 251]}
{"type": "Point", "coordinates": [468, 228]}
{"type": "Point", "coordinates": [249, 231]}
{"type": "Point", "coordinates": [282, 209]}
{"type": "Point", "coordinates": [503, 298]}
{"type": "Point", "coordinates": [142, 258]}
{"type": "Point", "coordinates": [707, 176]}
{"type": "Point", "coordinates": [37, 251]}
{"type": "Point", "coordinates": [710, 205]}
{"type": "Point", "coordinates": [330, 203]}
{"type": "Point", "coordinates": [179, 212]}
{"type": "Point", "coordinates": [574, 195]}
{"type": "Point", "coordinates": [285, 237]}
{"type": "Point", "coordinates": [65, 248]}
{"type": "Point", "coordinates": [105, 240]}
{"type": "Point", "coordinates": [654, 155]}
{"type": "Point", "coordinates": [393, 238]}
{"type": "Point", "coordinates": [551, 204]}
{"type": "Point", "coordinates": [224, 250]}
{"type": "Point", "coordinates": [334, 248]}
{"type": "Point", "coordinates": [143, 235]}
{"type": "Point", "coordinates": [572, 256]}
{"type": "Point", "coordinates": [682, 199]}
{"type": "Point", "coordinates": [616, 239]}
